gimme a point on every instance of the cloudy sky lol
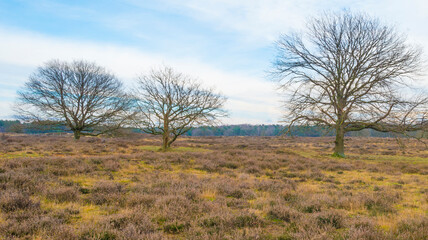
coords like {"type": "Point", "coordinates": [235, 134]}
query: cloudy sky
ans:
{"type": "Point", "coordinates": [227, 44]}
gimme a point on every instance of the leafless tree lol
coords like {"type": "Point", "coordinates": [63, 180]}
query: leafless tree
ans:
{"type": "Point", "coordinates": [350, 72]}
{"type": "Point", "coordinates": [81, 95]}
{"type": "Point", "coordinates": [171, 103]}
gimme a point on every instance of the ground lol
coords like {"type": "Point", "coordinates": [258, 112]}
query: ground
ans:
{"type": "Point", "coordinates": [53, 187]}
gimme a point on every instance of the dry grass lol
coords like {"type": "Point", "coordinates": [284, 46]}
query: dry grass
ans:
{"type": "Point", "coordinates": [211, 188]}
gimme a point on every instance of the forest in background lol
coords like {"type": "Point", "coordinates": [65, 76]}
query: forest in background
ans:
{"type": "Point", "coordinates": [15, 126]}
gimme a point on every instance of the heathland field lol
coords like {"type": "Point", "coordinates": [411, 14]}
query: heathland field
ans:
{"type": "Point", "coordinates": [53, 187]}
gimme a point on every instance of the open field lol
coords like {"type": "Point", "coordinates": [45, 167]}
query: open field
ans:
{"type": "Point", "coordinates": [53, 187]}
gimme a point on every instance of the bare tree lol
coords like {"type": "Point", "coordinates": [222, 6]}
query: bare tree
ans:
{"type": "Point", "coordinates": [170, 104]}
{"type": "Point", "coordinates": [81, 95]}
{"type": "Point", "coordinates": [349, 72]}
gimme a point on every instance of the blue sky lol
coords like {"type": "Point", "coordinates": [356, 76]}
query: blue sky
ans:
{"type": "Point", "coordinates": [227, 44]}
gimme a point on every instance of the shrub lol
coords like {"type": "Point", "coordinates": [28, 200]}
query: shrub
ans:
{"type": "Point", "coordinates": [214, 221]}
{"type": "Point", "coordinates": [234, 191]}
{"type": "Point", "coordinates": [283, 213]}
{"type": "Point", "coordinates": [380, 203]}
{"type": "Point", "coordinates": [174, 228]}
{"type": "Point", "coordinates": [330, 218]}
{"type": "Point", "coordinates": [98, 235]}
{"type": "Point", "coordinates": [246, 220]}
{"type": "Point", "coordinates": [12, 201]}
{"type": "Point", "coordinates": [63, 194]}
{"type": "Point", "coordinates": [363, 228]}
{"type": "Point", "coordinates": [111, 165]}
{"type": "Point", "coordinates": [106, 192]}
{"type": "Point", "coordinates": [412, 228]}
{"type": "Point", "coordinates": [229, 164]}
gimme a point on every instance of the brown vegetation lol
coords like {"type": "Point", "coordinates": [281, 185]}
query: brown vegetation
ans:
{"type": "Point", "coordinates": [211, 188]}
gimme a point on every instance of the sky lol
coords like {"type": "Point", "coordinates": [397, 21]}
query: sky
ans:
{"type": "Point", "coordinates": [225, 44]}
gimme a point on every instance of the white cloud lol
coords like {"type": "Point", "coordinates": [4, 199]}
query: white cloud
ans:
{"type": "Point", "coordinates": [250, 96]}
{"type": "Point", "coordinates": [261, 20]}
{"type": "Point", "coordinates": [264, 20]}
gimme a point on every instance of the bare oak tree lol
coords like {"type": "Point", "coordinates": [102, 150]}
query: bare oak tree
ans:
{"type": "Point", "coordinates": [349, 72]}
{"type": "Point", "coordinates": [81, 95]}
{"type": "Point", "coordinates": [170, 104]}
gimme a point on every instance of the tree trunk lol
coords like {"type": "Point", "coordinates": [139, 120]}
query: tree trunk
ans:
{"type": "Point", "coordinates": [165, 140]}
{"type": "Point", "coordinates": [165, 136]}
{"type": "Point", "coordinates": [172, 140]}
{"type": "Point", "coordinates": [339, 148]}
{"type": "Point", "coordinates": [76, 135]}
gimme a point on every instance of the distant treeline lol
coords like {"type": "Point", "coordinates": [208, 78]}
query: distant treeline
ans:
{"type": "Point", "coordinates": [8, 126]}
{"type": "Point", "coordinates": [17, 127]}
{"type": "Point", "coordinates": [256, 130]}
{"type": "Point", "coordinates": [276, 130]}
{"type": "Point", "coordinates": [225, 130]}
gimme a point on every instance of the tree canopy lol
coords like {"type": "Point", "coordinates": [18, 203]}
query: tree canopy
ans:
{"type": "Point", "coordinates": [81, 95]}
{"type": "Point", "coordinates": [349, 71]}
{"type": "Point", "coordinates": [171, 103]}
